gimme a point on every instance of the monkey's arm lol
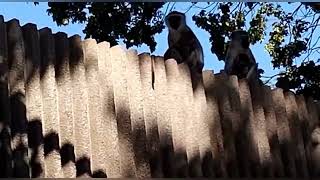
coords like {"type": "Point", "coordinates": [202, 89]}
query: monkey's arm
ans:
{"type": "Point", "coordinates": [230, 59]}
{"type": "Point", "coordinates": [252, 71]}
{"type": "Point", "coordinates": [254, 66]}
{"type": "Point", "coordinates": [171, 41]}
{"type": "Point", "coordinates": [195, 60]}
{"type": "Point", "coordinates": [251, 57]}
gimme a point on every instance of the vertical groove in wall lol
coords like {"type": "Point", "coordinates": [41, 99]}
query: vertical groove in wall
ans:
{"type": "Point", "coordinates": [118, 58]}
{"type": "Point", "coordinates": [271, 128]}
{"type": "Point", "coordinates": [315, 152]}
{"type": "Point", "coordinates": [313, 112]}
{"type": "Point", "coordinates": [150, 118]}
{"type": "Point", "coordinates": [316, 140]}
{"type": "Point", "coordinates": [90, 49]}
{"type": "Point", "coordinates": [305, 129]}
{"type": "Point", "coordinates": [156, 164]}
{"type": "Point", "coordinates": [191, 111]}
{"type": "Point", "coordinates": [135, 93]}
{"type": "Point", "coordinates": [239, 127]}
{"type": "Point", "coordinates": [50, 119]}
{"type": "Point", "coordinates": [247, 116]}
{"type": "Point", "coordinates": [100, 115]}
{"type": "Point", "coordinates": [284, 135]}
{"type": "Point", "coordinates": [225, 111]}
{"type": "Point", "coordinates": [5, 131]}
{"type": "Point", "coordinates": [163, 117]}
{"type": "Point", "coordinates": [214, 160]}
{"type": "Point", "coordinates": [201, 124]}
{"type": "Point", "coordinates": [16, 61]}
{"type": "Point", "coordinates": [177, 118]}
{"type": "Point", "coordinates": [105, 130]}
{"type": "Point", "coordinates": [34, 100]}
{"type": "Point", "coordinates": [294, 124]}
{"type": "Point", "coordinates": [314, 137]}
{"type": "Point", "coordinates": [64, 90]}
{"type": "Point", "coordinates": [318, 109]}
{"type": "Point", "coordinates": [259, 129]}
{"type": "Point", "coordinates": [196, 132]}
{"type": "Point", "coordinates": [109, 124]}
{"type": "Point", "coordinates": [81, 124]}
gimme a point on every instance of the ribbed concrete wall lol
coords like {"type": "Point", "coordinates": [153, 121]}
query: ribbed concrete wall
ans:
{"type": "Point", "coordinates": [78, 108]}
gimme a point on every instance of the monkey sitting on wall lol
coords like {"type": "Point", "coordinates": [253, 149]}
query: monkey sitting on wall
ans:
{"type": "Point", "coordinates": [183, 44]}
{"type": "Point", "coordinates": [239, 58]}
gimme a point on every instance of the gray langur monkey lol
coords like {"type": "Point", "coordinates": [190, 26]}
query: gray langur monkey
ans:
{"type": "Point", "coordinates": [239, 58]}
{"type": "Point", "coordinates": [184, 46]}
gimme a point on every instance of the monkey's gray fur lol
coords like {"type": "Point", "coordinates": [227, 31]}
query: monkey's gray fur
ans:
{"type": "Point", "coordinates": [239, 58]}
{"type": "Point", "coordinates": [183, 44]}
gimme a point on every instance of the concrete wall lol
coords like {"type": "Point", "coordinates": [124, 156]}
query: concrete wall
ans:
{"type": "Point", "coordinates": [73, 108]}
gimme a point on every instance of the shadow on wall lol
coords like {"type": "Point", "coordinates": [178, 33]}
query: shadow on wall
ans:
{"type": "Point", "coordinates": [33, 128]}
{"type": "Point", "coordinates": [238, 153]}
{"type": "Point", "coordinates": [50, 142]}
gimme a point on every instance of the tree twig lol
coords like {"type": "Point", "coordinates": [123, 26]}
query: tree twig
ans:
{"type": "Point", "coordinates": [296, 10]}
{"type": "Point", "coordinates": [192, 5]}
{"type": "Point", "coordinates": [270, 77]}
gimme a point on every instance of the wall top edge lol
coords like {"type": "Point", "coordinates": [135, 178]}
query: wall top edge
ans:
{"type": "Point", "coordinates": [123, 49]}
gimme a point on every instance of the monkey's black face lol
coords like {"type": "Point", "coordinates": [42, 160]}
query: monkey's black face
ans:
{"type": "Point", "coordinates": [241, 36]}
{"type": "Point", "coordinates": [245, 43]}
{"type": "Point", "coordinates": [175, 22]}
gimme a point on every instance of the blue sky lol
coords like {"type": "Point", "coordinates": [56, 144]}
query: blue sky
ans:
{"type": "Point", "coordinates": [28, 13]}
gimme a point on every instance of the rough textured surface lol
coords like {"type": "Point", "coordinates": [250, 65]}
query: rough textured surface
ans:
{"type": "Point", "coordinates": [34, 100]}
{"type": "Point", "coordinates": [305, 129]}
{"type": "Point", "coordinates": [73, 108]}
{"type": "Point", "coordinates": [225, 112]}
{"type": "Point", "coordinates": [284, 135]}
{"type": "Point", "coordinates": [19, 142]}
{"type": "Point", "coordinates": [260, 131]}
{"type": "Point", "coordinates": [163, 117]}
{"type": "Point", "coordinates": [122, 107]}
{"type": "Point", "coordinates": [215, 159]}
{"type": "Point", "coordinates": [177, 118]}
{"type": "Point", "coordinates": [5, 154]}
{"type": "Point", "coordinates": [271, 128]}
{"type": "Point", "coordinates": [194, 118]}
{"type": "Point", "coordinates": [294, 123]}
{"type": "Point", "coordinates": [51, 123]}
{"type": "Point", "coordinates": [90, 49]}
{"type": "Point", "coordinates": [239, 124]}
{"type": "Point", "coordinates": [109, 126]}
{"type": "Point", "coordinates": [66, 96]}
{"type": "Point", "coordinates": [138, 121]}
{"type": "Point", "coordinates": [250, 124]}
{"type": "Point", "coordinates": [315, 150]}
{"type": "Point", "coordinates": [150, 118]}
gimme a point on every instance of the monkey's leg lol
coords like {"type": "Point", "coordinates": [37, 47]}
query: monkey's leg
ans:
{"type": "Point", "coordinates": [173, 53]}
{"type": "Point", "coordinates": [195, 60]}
{"type": "Point", "coordinates": [252, 72]}
{"type": "Point", "coordinates": [231, 59]}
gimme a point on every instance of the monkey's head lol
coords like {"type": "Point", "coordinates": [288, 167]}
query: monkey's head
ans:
{"type": "Point", "coordinates": [175, 19]}
{"type": "Point", "coordinates": [241, 36]}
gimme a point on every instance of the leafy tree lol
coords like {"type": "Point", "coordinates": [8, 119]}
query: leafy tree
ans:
{"type": "Point", "coordinates": [113, 21]}
{"type": "Point", "coordinates": [290, 39]}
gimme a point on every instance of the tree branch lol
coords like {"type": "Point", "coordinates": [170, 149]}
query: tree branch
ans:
{"type": "Point", "coordinates": [270, 77]}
